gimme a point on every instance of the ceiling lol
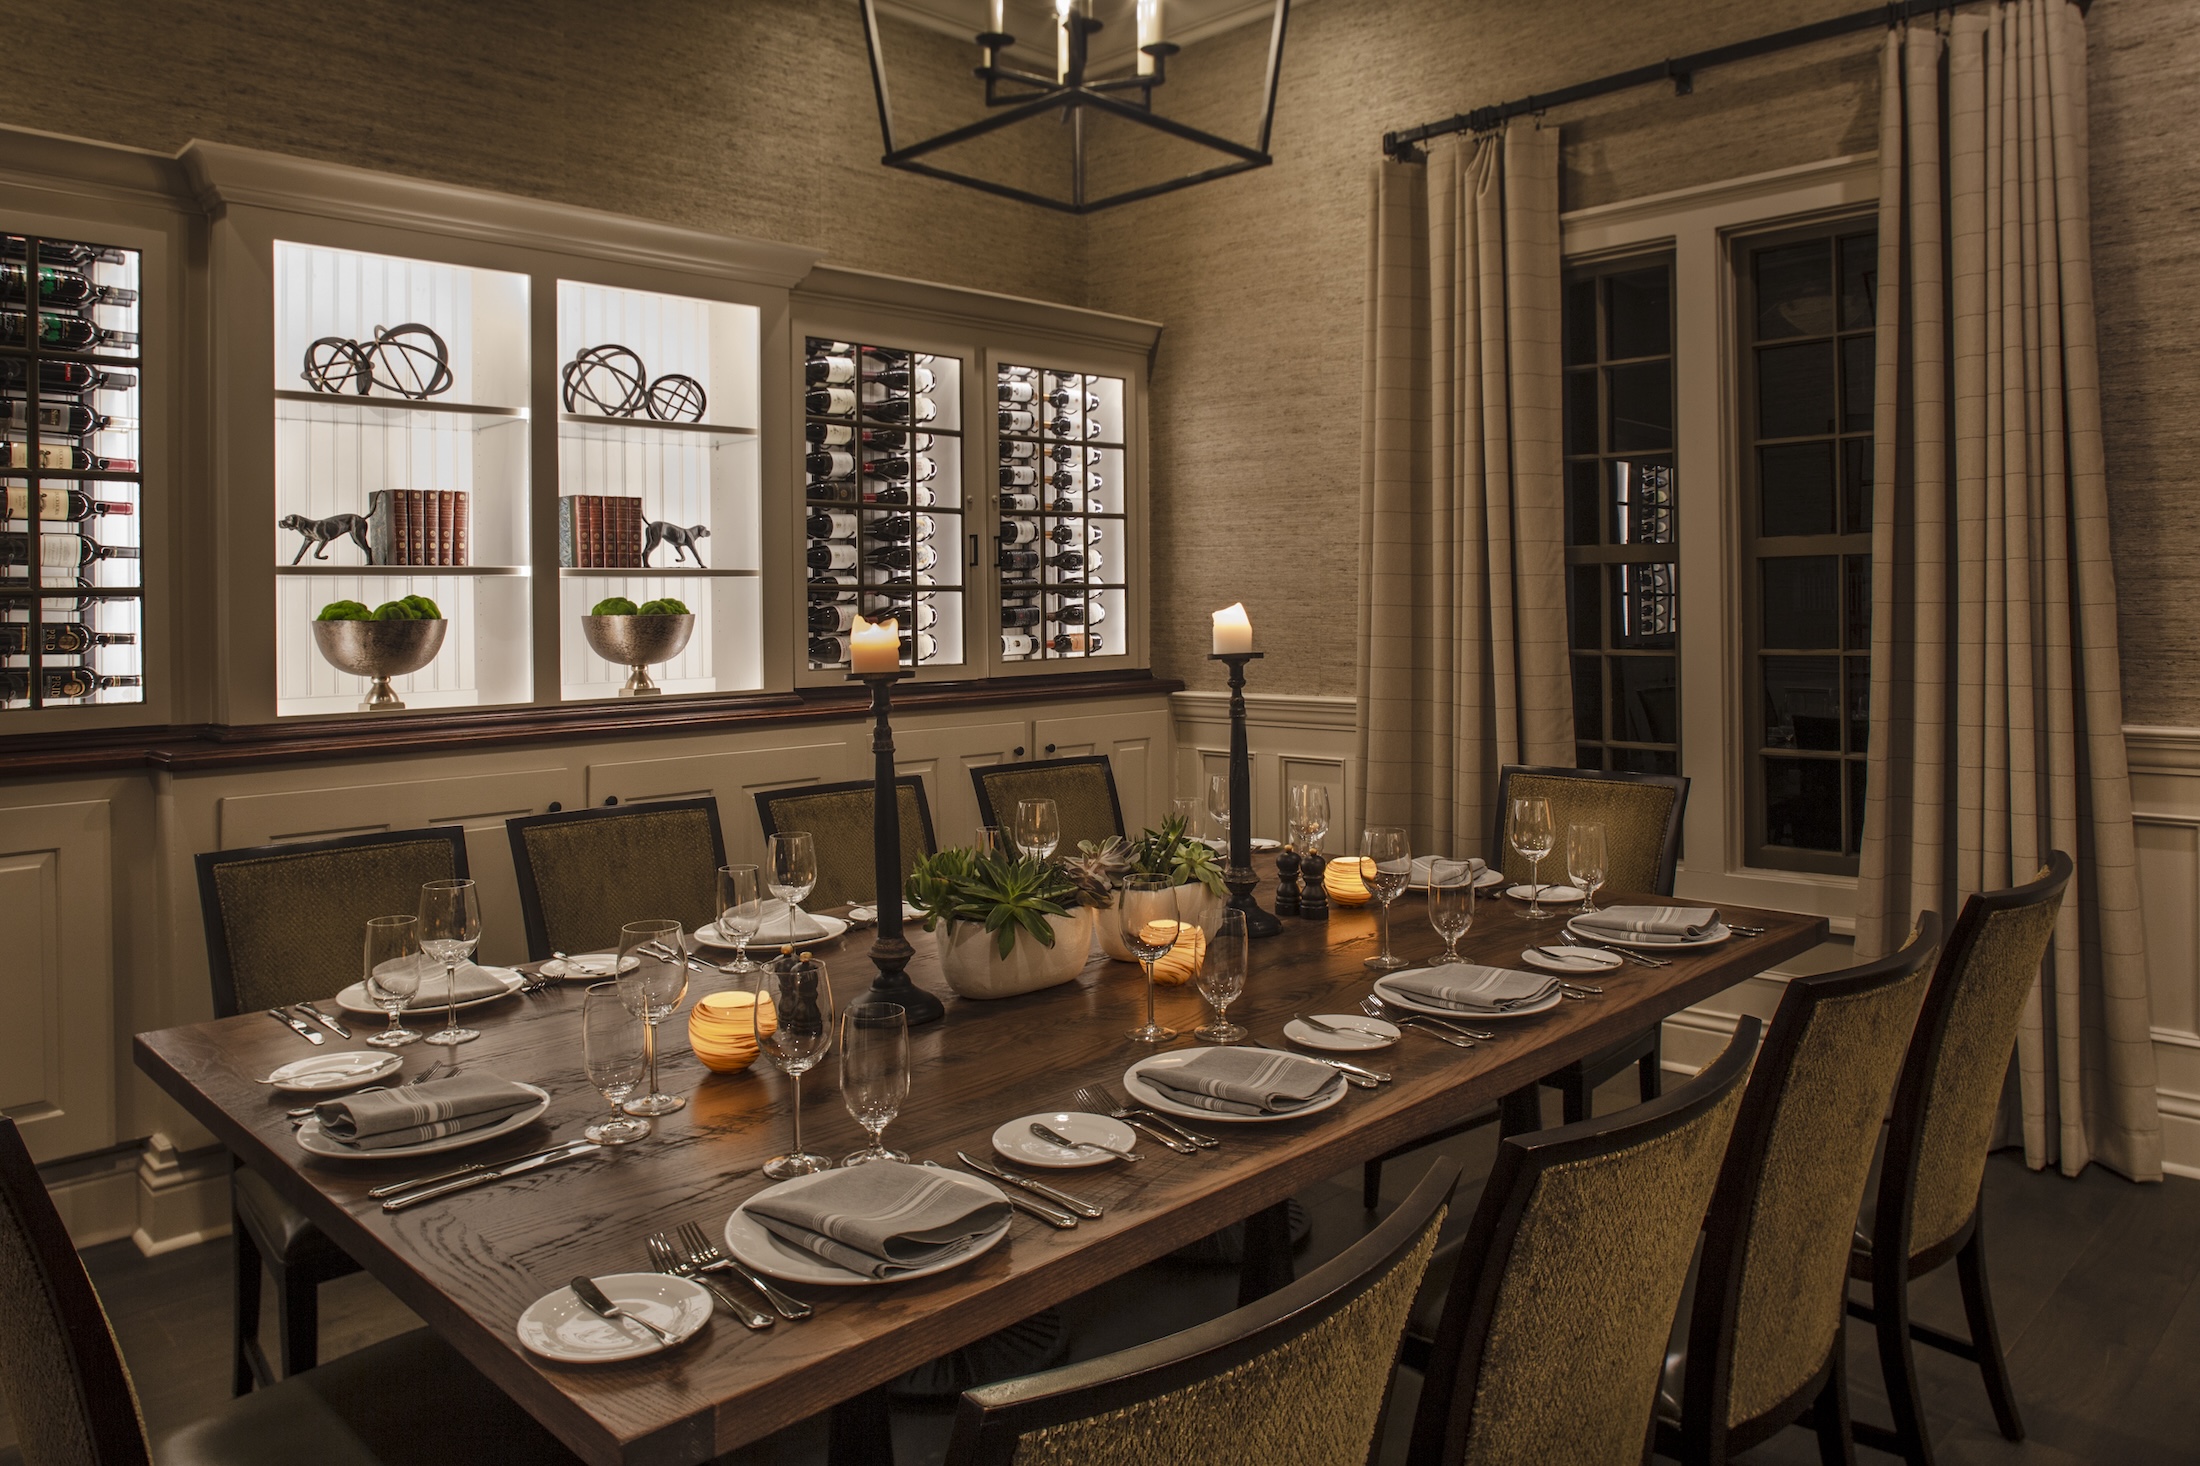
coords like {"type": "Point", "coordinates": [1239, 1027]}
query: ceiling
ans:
{"type": "Point", "coordinates": [1030, 21]}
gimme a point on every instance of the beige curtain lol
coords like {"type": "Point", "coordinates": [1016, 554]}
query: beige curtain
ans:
{"type": "Point", "coordinates": [1997, 702]}
{"type": "Point", "coordinates": [1462, 629]}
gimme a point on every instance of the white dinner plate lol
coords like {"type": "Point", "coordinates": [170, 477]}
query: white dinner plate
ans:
{"type": "Point", "coordinates": [323, 1073]}
{"type": "Point", "coordinates": [1572, 959]}
{"type": "Point", "coordinates": [311, 1140]}
{"type": "Point", "coordinates": [1360, 1034]}
{"type": "Point", "coordinates": [750, 1243]}
{"type": "Point", "coordinates": [1711, 938]}
{"type": "Point", "coordinates": [1461, 1015]}
{"type": "Point", "coordinates": [868, 915]}
{"type": "Point", "coordinates": [583, 967]}
{"type": "Point", "coordinates": [709, 935]}
{"type": "Point", "coordinates": [1145, 1094]}
{"type": "Point", "coordinates": [557, 1325]}
{"type": "Point", "coordinates": [1548, 895]}
{"type": "Point", "coordinates": [1015, 1140]}
{"type": "Point", "coordinates": [354, 999]}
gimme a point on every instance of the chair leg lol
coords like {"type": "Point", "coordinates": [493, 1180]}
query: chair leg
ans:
{"type": "Point", "coordinates": [1521, 1112]}
{"type": "Point", "coordinates": [1371, 1185]}
{"type": "Point", "coordinates": [298, 1310]}
{"type": "Point", "coordinates": [1978, 1311]}
{"type": "Point", "coordinates": [1829, 1413]}
{"type": "Point", "coordinates": [1650, 1068]}
{"type": "Point", "coordinates": [246, 1325]}
{"type": "Point", "coordinates": [1898, 1364]}
{"type": "Point", "coordinates": [1573, 1097]}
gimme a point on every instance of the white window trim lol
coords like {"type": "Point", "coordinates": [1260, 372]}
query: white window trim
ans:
{"type": "Point", "coordinates": [1697, 225]}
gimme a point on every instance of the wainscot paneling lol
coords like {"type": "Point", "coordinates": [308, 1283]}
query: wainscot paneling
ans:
{"type": "Point", "coordinates": [2165, 797]}
{"type": "Point", "coordinates": [57, 987]}
{"type": "Point", "coordinates": [1292, 740]}
{"type": "Point", "coordinates": [1137, 746]}
{"type": "Point", "coordinates": [942, 754]}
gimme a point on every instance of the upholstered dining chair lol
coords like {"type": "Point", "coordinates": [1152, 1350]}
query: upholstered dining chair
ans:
{"type": "Point", "coordinates": [409, 1400]}
{"type": "Point", "coordinates": [838, 817]}
{"type": "Point", "coordinates": [1302, 1375]}
{"type": "Point", "coordinates": [1764, 1344]}
{"type": "Point", "coordinates": [1083, 791]}
{"type": "Point", "coordinates": [1557, 1304]}
{"type": "Point", "coordinates": [584, 873]}
{"type": "Point", "coordinates": [285, 923]}
{"type": "Point", "coordinates": [1927, 1210]}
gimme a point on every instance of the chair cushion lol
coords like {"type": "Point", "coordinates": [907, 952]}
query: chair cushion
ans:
{"type": "Point", "coordinates": [410, 1399]}
{"type": "Point", "coordinates": [281, 1232]}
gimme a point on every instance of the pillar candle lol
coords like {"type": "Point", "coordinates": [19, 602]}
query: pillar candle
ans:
{"type": "Point", "coordinates": [874, 646]}
{"type": "Point", "coordinates": [1233, 630]}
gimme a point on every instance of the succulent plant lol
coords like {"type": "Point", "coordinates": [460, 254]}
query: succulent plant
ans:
{"type": "Point", "coordinates": [1003, 894]}
{"type": "Point", "coordinates": [1097, 869]}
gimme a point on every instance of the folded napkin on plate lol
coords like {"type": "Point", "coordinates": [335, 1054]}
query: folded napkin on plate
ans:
{"type": "Point", "coordinates": [776, 925]}
{"type": "Point", "coordinates": [1650, 923]}
{"type": "Point", "coordinates": [1466, 988]}
{"type": "Point", "coordinates": [378, 1119]}
{"type": "Point", "coordinates": [473, 982]}
{"type": "Point", "coordinates": [1244, 1081]}
{"type": "Point", "coordinates": [881, 1218]}
{"type": "Point", "coordinates": [1421, 864]}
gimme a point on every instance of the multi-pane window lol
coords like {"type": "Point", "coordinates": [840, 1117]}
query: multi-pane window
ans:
{"type": "Point", "coordinates": [1622, 531]}
{"type": "Point", "coordinates": [1807, 359]}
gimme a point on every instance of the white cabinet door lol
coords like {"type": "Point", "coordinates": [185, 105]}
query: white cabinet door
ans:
{"type": "Point", "coordinates": [943, 757]}
{"type": "Point", "coordinates": [1136, 743]}
{"type": "Point", "coordinates": [57, 986]}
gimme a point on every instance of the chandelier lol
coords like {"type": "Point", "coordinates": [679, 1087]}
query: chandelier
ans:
{"type": "Point", "coordinates": [1088, 162]}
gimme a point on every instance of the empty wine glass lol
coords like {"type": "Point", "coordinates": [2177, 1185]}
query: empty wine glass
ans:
{"type": "Point", "coordinates": [874, 1073]}
{"type": "Point", "coordinates": [1529, 829]}
{"type": "Point", "coordinates": [1038, 827]}
{"type": "Point", "coordinates": [1218, 806]}
{"type": "Point", "coordinates": [652, 979]}
{"type": "Point", "coordinates": [1450, 904]}
{"type": "Point", "coordinates": [393, 974]}
{"type": "Point", "coordinates": [1146, 905]}
{"type": "Point", "coordinates": [991, 841]}
{"type": "Point", "coordinates": [740, 911]}
{"type": "Point", "coordinates": [797, 992]}
{"type": "Point", "coordinates": [1314, 817]}
{"type": "Point", "coordinates": [1186, 810]}
{"type": "Point", "coordinates": [1222, 979]}
{"type": "Point", "coordinates": [450, 929]}
{"type": "Point", "coordinates": [1386, 865]}
{"type": "Point", "coordinates": [614, 1047]}
{"type": "Point", "coordinates": [1585, 859]}
{"type": "Point", "coordinates": [791, 860]}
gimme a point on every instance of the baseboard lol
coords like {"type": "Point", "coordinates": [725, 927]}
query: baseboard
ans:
{"type": "Point", "coordinates": [97, 1196]}
{"type": "Point", "coordinates": [2180, 1133]}
{"type": "Point", "coordinates": [182, 1197]}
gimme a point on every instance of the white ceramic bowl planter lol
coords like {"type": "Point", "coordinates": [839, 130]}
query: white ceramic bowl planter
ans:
{"type": "Point", "coordinates": [1194, 903]}
{"type": "Point", "coordinates": [970, 956]}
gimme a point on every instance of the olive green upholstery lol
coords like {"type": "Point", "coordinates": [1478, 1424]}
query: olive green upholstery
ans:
{"type": "Point", "coordinates": [1641, 815]}
{"type": "Point", "coordinates": [838, 817]}
{"type": "Point", "coordinates": [583, 874]}
{"type": "Point", "coordinates": [1083, 791]}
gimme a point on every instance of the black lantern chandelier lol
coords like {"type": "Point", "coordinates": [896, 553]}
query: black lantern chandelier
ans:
{"type": "Point", "coordinates": [1016, 93]}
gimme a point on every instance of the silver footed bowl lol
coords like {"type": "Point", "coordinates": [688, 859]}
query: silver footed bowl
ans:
{"type": "Point", "coordinates": [638, 641]}
{"type": "Point", "coordinates": [381, 649]}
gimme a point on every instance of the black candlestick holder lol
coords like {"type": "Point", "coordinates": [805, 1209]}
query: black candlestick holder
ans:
{"type": "Point", "coordinates": [1239, 876]}
{"type": "Point", "coordinates": [891, 952]}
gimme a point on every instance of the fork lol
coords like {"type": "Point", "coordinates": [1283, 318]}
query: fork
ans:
{"type": "Point", "coordinates": [665, 1258]}
{"type": "Point", "coordinates": [1093, 1097]}
{"type": "Point", "coordinates": [709, 1257]}
{"type": "Point", "coordinates": [1627, 952]}
{"type": "Point", "coordinates": [1375, 1007]}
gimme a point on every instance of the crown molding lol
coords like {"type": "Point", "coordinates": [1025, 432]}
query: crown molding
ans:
{"type": "Point", "coordinates": [830, 284]}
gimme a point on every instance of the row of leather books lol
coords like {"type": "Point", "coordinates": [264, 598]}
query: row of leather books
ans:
{"type": "Point", "coordinates": [418, 527]}
{"type": "Point", "coordinates": [599, 531]}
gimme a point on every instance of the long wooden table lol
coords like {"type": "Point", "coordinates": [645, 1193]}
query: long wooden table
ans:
{"type": "Point", "coordinates": [469, 1264]}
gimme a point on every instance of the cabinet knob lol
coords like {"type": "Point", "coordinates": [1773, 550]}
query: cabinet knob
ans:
{"type": "Point", "coordinates": [1050, 748]}
{"type": "Point", "coordinates": [1019, 750]}
{"type": "Point", "coordinates": [556, 805]}
{"type": "Point", "coordinates": [611, 799]}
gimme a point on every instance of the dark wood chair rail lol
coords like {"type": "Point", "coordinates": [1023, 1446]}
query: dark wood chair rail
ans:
{"type": "Point", "coordinates": [471, 1263]}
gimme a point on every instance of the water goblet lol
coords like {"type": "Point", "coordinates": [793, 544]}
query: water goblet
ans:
{"type": "Point", "coordinates": [1585, 860]}
{"type": "Point", "coordinates": [393, 961]}
{"type": "Point", "coordinates": [1450, 904]}
{"type": "Point", "coordinates": [1529, 829]}
{"type": "Point", "coordinates": [991, 841]}
{"type": "Point", "coordinates": [1146, 905]}
{"type": "Point", "coordinates": [1186, 809]}
{"type": "Point", "coordinates": [1314, 817]}
{"type": "Point", "coordinates": [450, 929]}
{"type": "Point", "coordinates": [799, 996]}
{"type": "Point", "coordinates": [653, 977]}
{"type": "Point", "coordinates": [874, 1073]}
{"type": "Point", "coordinates": [1222, 979]}
{"type": "Point", "coordinates": [1386, 865]}
{"type": "Point", "coordinates": [792, 861]}
{"type": "Point", "coordinates": [1038, 827]}
{"type": "Point", "coordinates": [740, 911]}
{"type": "Point", "coordinates": [614, 1047]}
{"type": "Point", "coordinates": [1218, 806]}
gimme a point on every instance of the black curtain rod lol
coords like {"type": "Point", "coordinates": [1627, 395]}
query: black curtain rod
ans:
{"type": "Point", "coordinates": [1680, 69]}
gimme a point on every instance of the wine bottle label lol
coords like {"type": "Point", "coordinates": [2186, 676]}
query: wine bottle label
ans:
{"type": "Point", "coordinates": [832, 524]}
{"type": "Point", "coordinates": [1017, 391]}
{"type": "Point", "coordinates": [832, 401]}
{"type": "Point", "coordinates": [833, 556]}
{"type": "Point", "coordinates": [16, 453]}
{"type": "Point", "coordinates": [1016, 420]}
{"type": "Point", "coordinates": [829, 434]}
{"type": "Point", "coordinates": [1019, 503]}
{"type": "Point", "coordinates": [829, 463]}
{"type": "Point", "coordinates": [58, 503]}
{"type": "Point", "coordinates": [831, 371]}
{"type": "Point", "coordinates": [1016, 644]}
{"type": "Point", "coordinates": [1019, 615]}
{"type": "Point", "coordinates": [1019, 531]}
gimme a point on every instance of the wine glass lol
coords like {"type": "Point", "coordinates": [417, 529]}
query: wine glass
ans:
{"type": "Point", "coordinates": [874, 1073]}
{"type": "Point", "coordinates": [615, 1049]}
{"type": "Point", "coordinates": [740, 911]}
{"type": "Point", "coordinates": [991, 841]}
{"type": "Point", "coordinates": [1186, 809]}
{"type": "Point", "coordinates": [450, 929]}
{"type": "Point", "coordinates": [393, 973]}
{"type": "Point", "coordinates": [1146, 905]}
{"type": "Point", "coordinates": [1314, 818]}
{"type": "Point", "coordinates": [1450, 904]}
{"type": "Point", "coordinates": [1531, 834]}
{"type": "Point", "coordinates": [1218, 806]}
{"type": "Point", "coordinates": [1222, 979]}
{"type": "Point", "coordinates": [792, 860]}
{"type": "Point", "coordinates": [653, 977]}
{"type": "Point", "coordinates": [1386, 865]}
{"type": "Point", "coordinates": [1585, 859]}
{"type": "Point", "coordinates": [800, 996]}
{"type": "Point", "coordinates": [1038, 827]}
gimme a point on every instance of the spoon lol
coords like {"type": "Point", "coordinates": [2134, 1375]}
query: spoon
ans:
{"type": "Point", "coordinates": [1055, 1137]}
{"type": "Point", "coordinates": [592, 1298]}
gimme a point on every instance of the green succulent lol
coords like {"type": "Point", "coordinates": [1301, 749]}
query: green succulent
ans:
{"type": "Point", "coordinates": [344, 611]}
{"type": "Point", "coordinates": [615, 606]}
{"type": "Point", "coordinates": [1097, 869]}
{"type": "Point", "coordinates": [1004, 895]}
{"type": "Point", "coordinates": [666, 607]}
{"type": "Point", "coordinates": [1171, 852]}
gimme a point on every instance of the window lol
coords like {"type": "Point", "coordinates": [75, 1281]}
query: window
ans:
{"type": "Point", "coordinates": [1622, 530]}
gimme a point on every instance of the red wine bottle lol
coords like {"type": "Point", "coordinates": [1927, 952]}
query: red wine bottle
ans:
{"type": "Point", "coordinates": [832, 524]}
{"type": "Point", "coordinates": [1019, 615]}
{"type": "Point", "coordinates": [831, 401]}
{"type": "Point", "coordinates": [1019, 561]}
{"type": "Point", "coordinates": [829, 371]}
{"type": "Point", "coordinates": [918, 556]}
{"type": "Point", "coordinates": [60, 286]}
{"type": "Point", "coordinates": [1019, 503]}
{"type": "Point", "coordinates": [904, 409]}
{"type": "Point", "coordinates": [1013, 449]}
{"type": "Point", "coordinates": [56, 503]}
{"type": "Point", "coordinates": [1075, 641]}
{"type": "Point", "coordinates": [1015, 646]}
{"type": "Point", "coordinates": [899, 494]}
{"type": "Point", "coordinates": [831, 555]}
{"type": "Point", "coordinates": [828, 463]}
{"type": "Point", "coordinates": [1019, 531]}
{"type": "Point", "coordinates": [829, 434]}
{"type": "Point", "coordinates": [61, 252]}
{"type": "Point", "coordinates": [922, 465]}
{"type": "Point", "coordinates": [68, 419]}
{"type": "Point", "coordinates": [16, 453]}
{"type": "Point", "coordinates": [1018, 420]}
{"type": "Point", "coordinates": [62, 332]}
{"type": "Point", "coordinates": [890, 441]}
{"type": "Point", "coordinates": [56, 684]}
{"type": "Point", "coordinates": [58, 638]}
{"type": "Point", "coordinates": [899, 379]}
{"type": "Point", "coordinates": [66, 376]}
{"type": "Point", "coordinates": [831, 616]}
{"type": "Point", "coordinates": [903, 527]}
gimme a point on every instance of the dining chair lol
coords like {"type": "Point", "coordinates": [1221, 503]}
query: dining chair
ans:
{"type": "Point", "coordinates": [1083, 791]}
{"type": "Point", "coordinates": [838, 817]}
{"type": "Point", "coordinates": [1927, 1210]}
{"type": "Point", "coordinates": [410, 1400]}
{"type": "Point", "coordinates": [1762, 1343]}
{"type": "Point", "coordinates": [1302, 1375]}
{"type": "Point", "coordinates": [284, 923]}
{"type": "Point", "coordinates": [584, 873]}
{"type": "Point", "coordinates": [1557, 1304]}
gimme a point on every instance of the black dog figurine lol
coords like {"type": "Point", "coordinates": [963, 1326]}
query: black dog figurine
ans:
{"type": "Point", "coordinates": [319, 534]}
{"type": "Point", "coordinates": [681, 540]}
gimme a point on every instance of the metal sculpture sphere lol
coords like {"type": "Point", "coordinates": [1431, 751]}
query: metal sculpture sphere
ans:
{"type": "Point", "coordinates": [675, 397]}
{"type": "Point", "coordinates": [609, 380]}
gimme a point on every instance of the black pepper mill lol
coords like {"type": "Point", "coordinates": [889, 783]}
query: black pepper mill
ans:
{"type": "Point", "coordinates": [1314, 900]}
{"type": "Point", "coordinates": [1287, 882]}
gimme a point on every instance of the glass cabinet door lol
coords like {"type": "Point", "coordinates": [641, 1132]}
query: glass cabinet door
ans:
{"type": "Point", "coordinates": [1063, 558]}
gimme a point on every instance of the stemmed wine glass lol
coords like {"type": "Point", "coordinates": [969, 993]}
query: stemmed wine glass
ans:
{"type": "Point", "coordinates": [740, 912]}
{"type": "Point", "coordinates": [991, 841]}
{"type": "Point", "coordinates": [1531, 834]}
{"type": "Point", "coordinates": [653, 977]}
{"type": "Point", "coordinates": [1186, 809]}
{"type": "Point", "coordinates": [1038, 827]}
{"type": "Point", "coordinates": [393, 974]}
{"type": "Point", "coordinates": [1146, 905]}
{"type": "Point", "coordinates": [1386, 865]}
{"type": "Point", "coordinates": [615, 1049]}
{"type": "Point", "coordinates": [793, 863]}
{"type": "Point", "coordinates": [1309, 815]}
{"type": "Point", "coordinates": [799, 995]}
{"type": "Point", "coordinates": [1218, 806]}
{"type": "Point", "coordinates": [874, 1073]}
{"type": "Point", "coordinates": [1585, 860]}
{"type": "Point", "coordinates": [450, 929]}
{"type": "Point", "coordinates": [1450, 904]}
{"type": "Point", "coordinates": [1222, 979]}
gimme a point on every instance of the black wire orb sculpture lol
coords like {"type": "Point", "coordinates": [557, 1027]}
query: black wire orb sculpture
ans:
{"type": "Point", "coordinates": [676, 397]}
{"type": "Point", "coordinates": [335, 364]}
{"type": "Point", "coordinates": [410, 361]}
{"type": "Point", "coordinates": [611, 381]}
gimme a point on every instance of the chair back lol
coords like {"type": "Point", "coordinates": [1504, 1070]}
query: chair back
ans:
{"type": "Point", "coordinates": [1083, 791]}
{"type": "Point", "coordinates": [1773, 1282]}
{"type": "Point", "coordinates": [1301, 1375]}
{"type": "Point", "coordinates": [1950, 1092]}
{"type": "Point", "coordinates": [1641, 815]}
{"type": "Point", "coordinates": [1555, 1328]}
{"type": "Point", "coordinates": [288, 922]}
{"type": "Point", "coordinates": [584, 873]}
{"type": "Point", "coordinates": [61, 1372]}
{"type": "Point", "coordinates": [839, 819]}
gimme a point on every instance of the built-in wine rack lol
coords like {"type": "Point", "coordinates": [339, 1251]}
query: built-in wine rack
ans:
{"type": "Point", "coordinates": [1063, 541]}
{"type": "Point", "coordinates": [882, 499]}
{"type": "Point", "coordinates": [71, 588]}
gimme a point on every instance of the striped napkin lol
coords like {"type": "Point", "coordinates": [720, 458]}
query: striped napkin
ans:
{"type": "Point", "coordinates": [1466, 988]}
{"type": "Point", "coordinates": [473, 982]}
{"type": "Point", "coordinates": [880, 1218]}
{"type": "Point", "coordinates": [381, 1119]}
{"type": "Point", "coordinates": [1667, 925]}
{"type": "Point", "coordinates": [783, 923]}
{"type": "Point", "coordinates": [1244, 1081]}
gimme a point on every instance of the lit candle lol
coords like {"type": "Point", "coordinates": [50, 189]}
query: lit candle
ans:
{"type": "Point", "coordinates": [1061, 38]}
{"type": "Point", "coordinates": [999, 26]}
{"type": "Point", "coordinates": [875, 646]}
{"type": "Point", "coordinates": [1233, 631]}
{"type": "Point", "coordinates": [1149, 33]}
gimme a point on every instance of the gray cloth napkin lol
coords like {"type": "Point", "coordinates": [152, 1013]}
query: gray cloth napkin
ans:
{"type": "Point", "coordinates": [473, 983]}
{"type": "Point", "coordinates": [1466, 988]}
{"type": "Point", "coordinates": [880, 1218]}
{"type": "Point", "coordinates": [783, 923]}
{"type": "Point", "coordinates": [379, 1119]}
{"type": "Point", "coordinates": [1663, 924]}
{"type": "Point", "coordinates": [1244, 1081]}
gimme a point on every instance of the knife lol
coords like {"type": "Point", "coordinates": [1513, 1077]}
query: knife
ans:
{"type": "Point", "coordinates": [394, 1187]}
{"type": "Point", "coordinates": [1057, 1219]}
{"type": "Point", "coordinates": [1060, 1198]}
{"type": "Point", "coordinates": [492, 1173]}
{"type": "Point", "coordinates": [323, 1019]}
{"type": "Point", "coordinates": [303, 1032]}
{"type": "Point", "coordinates": [1372, 1076]}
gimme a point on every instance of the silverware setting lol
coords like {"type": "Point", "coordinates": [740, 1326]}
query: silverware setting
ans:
{"type": "Point", "coordinates": [1375, 1007]}
{"type": "Point", "coordinates": [297, 1026]}
{"type": "Point", "coordinates": [667, 1259]}
{"type": "Point", "coordinates": [1745, 931]}
{"type": "Point", "coordinates": [1180, 1138]}
{"type": "Point", "coordinates": [1029, 1205]}
{"type": "Point", "coordinates": [1332, 1028]}
{"type": "Point", "coordinates": [1627, 953]}
{"type": "Point", "coordinates": [482, 1176]}
{"type": "Point", "coordinates": [1084, 1209]}
{"type": "Point", "coordinates": [323, 1019]}
{"type": "Point", "coordinates": [1056, 1137]}
{"type": "Point", "coordinates": [592, 1298]}
{"type": "Point", "coordinates": [710, 1258]}
{"type": "Point", "coordinates": [1353, 1074]}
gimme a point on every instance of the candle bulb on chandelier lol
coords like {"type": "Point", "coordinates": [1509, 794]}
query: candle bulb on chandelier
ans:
{"type": "Point", "coordinates": [998, 10]}
{"type": "Point", "coordinates": [1233, 630]}
{"type": "Point", "coordinates": [1149, 33]}
{"type": "Point", "coordinates": [874, 646]}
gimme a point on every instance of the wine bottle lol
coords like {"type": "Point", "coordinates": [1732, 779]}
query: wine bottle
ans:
{"type": "Point", "coordinates": [16, 453]}
{"type": "Point", "coordinates": [1064, 453]}
{"type": "Point", "coordinates": [61, 286]}
{"type": "Point", "coordinates": [830, 616]}
{"type": "Point", "coordinates": [1015, 646]}
{"type": "Point", "coordinates": [832, 524]}
{"type": "Point", "coordinates": [923, 616]}
{"type": "Point", "coordinates": [66, 376]}
{"type": "Point", "coordinates": [1019, 531]}
{"type": "Point", "coordinates": [905, 409]}
{"type": "Point", "coordinates": [1075, 641]}
{"type": "Point", "coordinates": [1019, 615]}
{"type": "Point", "coordinates": [875, 575]}
{"type": "Point", "coordinates": [1018, 390]}
{"type": "Point", "coordinates": [62, 332]}
{"type": "Point", "coordinates": [69, 419]}
{"type": "Point", "coordinates": [1067, 533]}
{"type": "Point", "coordinates": [888, 356]}
{"type": "Point", "coordinates": [1018, 420]}
{"type": "Point", "coordinates": [1019, 503]}
{"type": "Point", "coordinates": [1062, 399]}
{"type": "Point", "coordinates": [1020, 561]}
{"type": "Point", "coordinates": [829, 463]}
{"type": "Point", "coordinates": [831, 401]}
{"type": "Point", "coordinates": [1064, 478]}
{"type": "Point", "coordinates": [1075, 610]}
{"type": "Point", "coordinates": [899, 379]}
{"type": "Point", "coordinates": [1073, 561]}
{"type": "Point", "coordinates": [1018, 373]}
{"type": "Point", "coordinates": [1058, 381]}
{"type": "Point", "coordinates": [891, 441]}
{"type": "Point", "coordinates": [835, 648]}
{"type": "Point", "coordinates": [918, 556]}
{"type": "Point", "coordinates": [58, 683]}
{"type": "Point", "coordinates": [61, 551]}
{"type": "Point", "coordinates": [903, 526]}
{"type": "Point", "coordinates": [1011, 448]}
{"type": "Point", "coordinates": [836, 583]}
{"type": "Point", "coordinates": [831, 555]}
{"type": "Point", "coordinates": [922, 466]}
{"type": "Point", "coordinates": [829, 371]}
{"type": "Point", "coordinates": [898, 494]}
{"type": "Point", "coordinates": [1019, 476]}
{"type": "Point", "coordinates": [55, 503]}
{"type": "Point", "coordinates": [61, 252]}
{"type": "Point", "coordinates": [58, 638]}
{"type": "Point", "coordinates": [829, 434]}
{"type": "Point", "coordinates": [832, 491]}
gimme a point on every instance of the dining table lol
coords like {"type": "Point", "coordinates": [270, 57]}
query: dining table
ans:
{"type": "Point", "coordinates": [469, 1263]}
